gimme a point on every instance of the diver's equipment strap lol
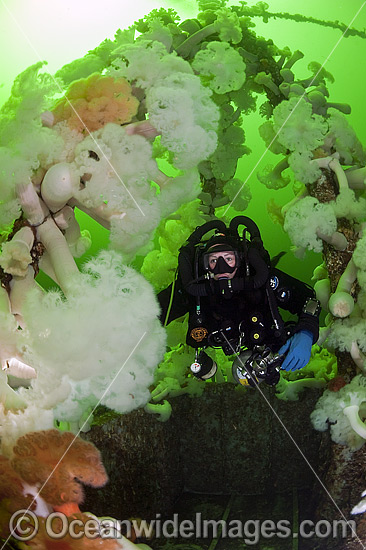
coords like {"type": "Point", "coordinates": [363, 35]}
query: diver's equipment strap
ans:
{"type": "Point", "coordinates": [260, 266]}
{"type": "Point", "coordinates": [185, 265]}
{"type": "Point", "coordinates": [312, 307]}
{"type": "Point", "coordinates": [249, 223]}
{"type": "Point", "coordinates": [276, 317]}
{"type": "Point", "coordinates": [310, 323]}
{"type": "Point", "coordinates": [201, 230]}
{"type": "Point", "coordinates": [309, 318]}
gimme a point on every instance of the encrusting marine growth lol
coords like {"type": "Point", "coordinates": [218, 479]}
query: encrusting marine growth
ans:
{"type": "Point", "coordinates": [44, 476]}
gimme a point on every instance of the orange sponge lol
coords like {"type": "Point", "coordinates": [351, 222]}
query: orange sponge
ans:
{"type": "Point", "coordinates": [90, 103]}
{"type": "Point", "coordinates": [58, 462]}
{"type": "Point", "coordinates": [12, 498]}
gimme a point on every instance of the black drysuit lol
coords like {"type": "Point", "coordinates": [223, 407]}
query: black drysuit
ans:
{"type": "Point", "coordinates": [240, 311]}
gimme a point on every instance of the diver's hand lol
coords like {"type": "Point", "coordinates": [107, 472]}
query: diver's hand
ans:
{"type": "Point", "coordinates": [298, 349]}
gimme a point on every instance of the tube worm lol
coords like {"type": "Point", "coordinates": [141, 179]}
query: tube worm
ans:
{"type": "Point", "coordinates": [15, 367]}
{"type": "Point", "coordinates": [47, 119]}
{"type": "Point", "coordinates": [8, 397]}
{"type": "Point", "coordinates": [358, 357]}
{"type": "Point", "coordinates": [342, 107]}
{"type": "Point", "coordinates": [322, 290]}
{"type": "Point", "coordinates": [59, 185]}
{"type": "Point", "coordinates": [336, 239]}
{"type": "Point", "coordinates": [296, 89]}
{"type": "Point", "coordinates": [143, 128]}
{"type": "Point", "coordinates": [296, 56]}
{"type": "Point", "coordinates": [10, 361]}
{"type": "Point", "coordinates": [356, 178]}
{"type": "Point", "coordinates": [61, 258]}
{"type": "Point", "coordinates": [63, 217]}
{"type": "Point", "coordinates": [288, 79]}
{"type": "Point", "coordinates": [332, 163]}
{"type": "Point", "coordinates": [250, 56]}
{"type": "Point", "coordinates": [285, 54]}
{"type": "Point", "coordinates": [284, 88]}
{"type": "Point", "coordinates": [34, 209]}
{"type": "Point", "coordinates": [287, 75]}
{"type": "Point", "coordinates": [266, 80]}
{"type": "Point", "coordinates": [323, 335]}
{"type": "Point", "coordinates": [341, 303]}
{"type": "Point", "coordinates": [37, 178]}
{"type": "Point", "coordinates": [78, 242]}
{"type": "Point", "coordinates": [317, 100]}
{"type": "Point", "coordinates": [101, 214]}
{"type": "Point", "coordinates": [162, 179]}
{"type": "Point", "coordinates": [320, 104]}
{"type": "Point", "coordinates": [184, 49]}
{"type": "Point", "coordinates": [288, 88]}
{"type": "Point", "coordinates": [355, 421]}
{"type": "Point", "coordinates": [45, 265]}
{"type": "Point", "coordinates": [4, 301]}
{"type": "Point", "coordinates": [325, 331]}
{"type": "Point", "coordinates": [273, 179]}
{"type": "Point", "coordinates": [16, 256]}
{"type": "Point", "coordinates": [104, 222]}
{"type": "Point", "coordinates": [320, 272]}
{"type": "Point", "coordinates": [296, 199]}
{"type": "Point", "coordinates": [19, 287]}
{"type": "Point", "coordinates": [335, 165]}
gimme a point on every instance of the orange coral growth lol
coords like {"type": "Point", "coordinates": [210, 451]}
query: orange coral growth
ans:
{"type": "Point", "coordinates": [92, 102]}
{"type": "Point", "coordinates": [11, 495]}
{"type": "Point", "coordinates": [57, 462]}
{"type": "Point", "coordinates": [69, 508]}
{"type": "Point", "coordinates": [11, 487]}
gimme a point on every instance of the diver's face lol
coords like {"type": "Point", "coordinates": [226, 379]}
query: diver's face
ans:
{"type": "Point", "coordinates": [228, 257]}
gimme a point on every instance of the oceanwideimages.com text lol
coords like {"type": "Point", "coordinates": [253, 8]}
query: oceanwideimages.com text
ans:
{"type": "Point", "coordinates": [24, 526]}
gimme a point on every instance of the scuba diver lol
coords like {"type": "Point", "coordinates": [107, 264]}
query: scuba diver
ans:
{"type": "Point", "coordinates": [233, 295]}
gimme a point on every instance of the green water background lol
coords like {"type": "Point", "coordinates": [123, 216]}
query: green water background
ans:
{"type": "Point", "coordinates": [59, 32]}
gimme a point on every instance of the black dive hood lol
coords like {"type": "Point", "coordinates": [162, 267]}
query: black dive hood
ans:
{"type": "Point", "coordinates": [251, 254]}
{"type": "Point", "coordinates": [221, 243]}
